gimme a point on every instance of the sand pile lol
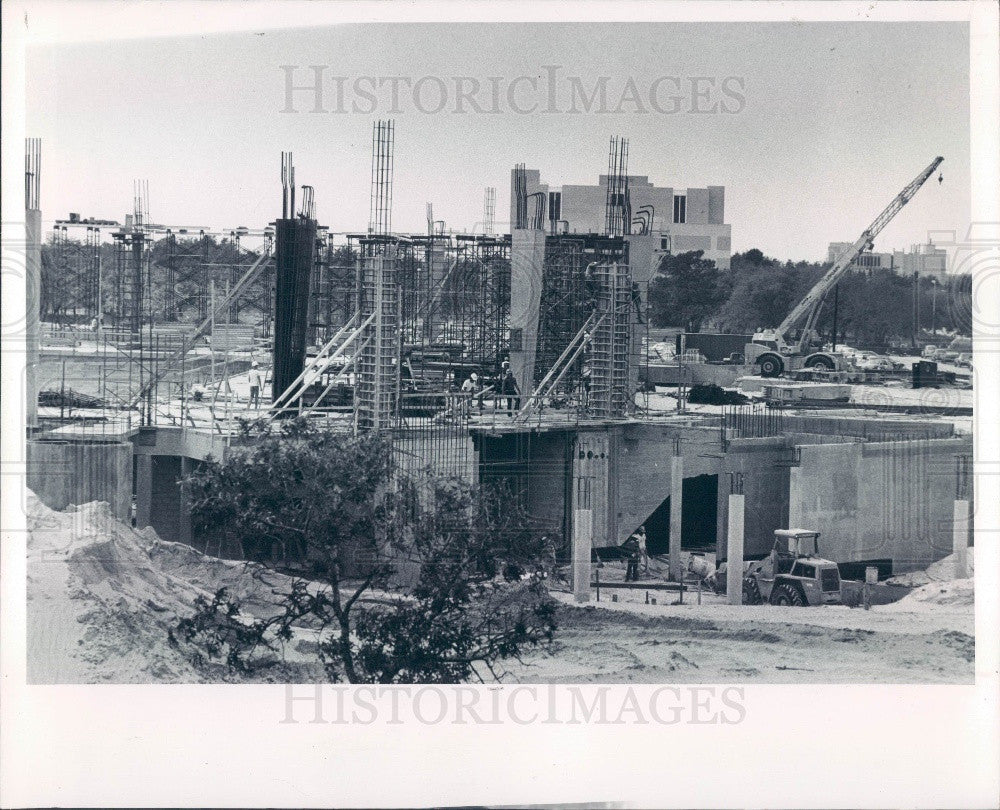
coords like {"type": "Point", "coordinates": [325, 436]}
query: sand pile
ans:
{"type": "Point", "coordinates": [952, 594]}
{"type": "Point", "coordinates": [102, 595]}
{"type": "Point", "coordinates": [941, 571]}
{"type": "Point", "coordinates": [936, 588]}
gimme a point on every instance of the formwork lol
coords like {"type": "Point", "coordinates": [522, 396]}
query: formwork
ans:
{"type": "Point", "coordinates": [294, 255]}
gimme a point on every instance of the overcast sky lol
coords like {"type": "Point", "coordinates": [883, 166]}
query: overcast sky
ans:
{"type": "Point", "coordinates": [816, 126]}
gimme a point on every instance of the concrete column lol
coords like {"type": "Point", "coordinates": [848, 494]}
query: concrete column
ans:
{"type": "Point", "coordinates": [143, 490]}
{"type": "Point", "coordinates": [734, 553]}
{"type": "Point", "coordinates": [676, 508]}
{"type": "Point", "coordinates": [794, 498]}
{"type": "Point", "coordinates": [960, 539]}
{"type": "Point", "coordinates": [582, 541]}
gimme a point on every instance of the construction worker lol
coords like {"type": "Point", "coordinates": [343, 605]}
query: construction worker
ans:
{"type": "Point", "coordinates": [640, 536]}
{"type": "Point", "coordinates": [256, 384]}
{"type": "Point", "coordinates": [508, 388]}
{"type": "Point", "coordinates": [469, 388]}
{"type": "Point", "coordinates": [631, 549]}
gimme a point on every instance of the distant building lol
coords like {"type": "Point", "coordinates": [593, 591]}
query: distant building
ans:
{"type": "Point", "coordinates": [680, 220]}
{"type": "Point", "coordinates": [927, 260]}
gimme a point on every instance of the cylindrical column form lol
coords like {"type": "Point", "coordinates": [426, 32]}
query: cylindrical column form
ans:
{"type": "Point", "coordinates": [676, 501]}
{"type": "Point", "coordinates": [295, 245]}
{"type": "Point", "coordinates": [734, 551]}
{"type": "Point", "coordinates": [960, 539]}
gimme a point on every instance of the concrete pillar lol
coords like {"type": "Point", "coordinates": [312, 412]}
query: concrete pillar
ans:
{"type": "Point", "coordinates": [960, 539]}
{"type": "Point", "coordinates": [794, 498]}
{"type": "Point", "coordinates": [32, 322]}
{"type": "Point", "coordinates": [582, 541]}
{"type": "Point", "coordinates": [734, 553]}
{"type": "Point", "coordinates": [143, 490]}
{"type": "Point", "coordinates": [676, 507]}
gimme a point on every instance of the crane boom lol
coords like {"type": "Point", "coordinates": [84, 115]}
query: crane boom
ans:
{"type": "Point", "coordinates": [815, 296]}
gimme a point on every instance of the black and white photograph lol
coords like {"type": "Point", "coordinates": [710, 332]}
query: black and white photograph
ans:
{"type": "Point", "coordinates": [464, 369]}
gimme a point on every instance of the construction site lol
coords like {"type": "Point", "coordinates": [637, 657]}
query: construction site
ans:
{"type": "Point", "coordinates": [811, 507]}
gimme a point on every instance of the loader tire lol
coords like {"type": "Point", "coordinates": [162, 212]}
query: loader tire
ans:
{"type": "Point", "coordinates": [787, 595]}
{"type": "Point", "coordinates": [751, 592]}
{"type": "Point", "coordinates": [821, 361]}
{"type": "Point", "coordinates": [771, 365]}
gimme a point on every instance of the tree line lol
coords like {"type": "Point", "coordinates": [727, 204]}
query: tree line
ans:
{"type": "Point", "coordinates": [872, 306]}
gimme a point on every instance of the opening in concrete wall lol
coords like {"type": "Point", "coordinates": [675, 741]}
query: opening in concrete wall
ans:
{"type": "Point", "coordinates": [534, 469]}
{"type": "Point", "coordinates": [698, 517]}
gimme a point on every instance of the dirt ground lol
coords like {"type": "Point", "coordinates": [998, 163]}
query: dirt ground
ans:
{"type": "Point", "coordinates": [102, 595]}
{"type": "Point", "coordinates": [635, 643]}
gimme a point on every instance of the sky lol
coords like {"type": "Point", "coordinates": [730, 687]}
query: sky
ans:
{"type": "Point", "coordinates": [812, 127]}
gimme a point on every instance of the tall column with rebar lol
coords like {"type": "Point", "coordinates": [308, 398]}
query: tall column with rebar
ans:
{"type": "Point", "coordinates": [295, 245]}
{"type": "Point", "coordinates": [376, 391]}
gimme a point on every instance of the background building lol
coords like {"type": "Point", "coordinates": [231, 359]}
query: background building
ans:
{"type": "Point", "coordinates": [681, 220]}
{"type": "Point", "coordinates": [927, 260]}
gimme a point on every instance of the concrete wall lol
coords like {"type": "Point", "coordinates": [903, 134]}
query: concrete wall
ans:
{"type": "Point", "coordinates": [595, 486]}
{"type": "Point", "coordinates": [168, 514]}
{"type": "Point", "coordinates": [642, 455]}
{"type": "Point", "coordinates": [65, 473]}
{"type": "Point", "coordinates": [867, 428]}
{"type": "Point", "coordinates": [890, 500]}
{"type": "Point", "coordinates": [716, 205]}
{"type": "Point", "coordinates": [527, 261]}
{"type": "Point", "coordinates": [697, 206]}
{"type": "Point", "coordinates": [763, 466]}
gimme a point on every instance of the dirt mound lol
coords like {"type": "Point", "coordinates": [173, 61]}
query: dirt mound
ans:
{"type": "Point", "coordinates": [941, 571]}
{"type": "Point", "coordinates": [953, 594]}
{"type": "Point", "coordinates": [101, 597]}
{"type": "Point", "coordinates": [710, 394]}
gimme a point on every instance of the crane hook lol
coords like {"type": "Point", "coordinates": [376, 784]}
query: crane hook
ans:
{"type": "Point", "coordinates": [940, 178]}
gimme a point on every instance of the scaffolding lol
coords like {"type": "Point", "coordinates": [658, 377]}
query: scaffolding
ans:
{"type": "Point", "coordinates": [333, 289]}
{"type": "Point", "coordinates": [489, 210]}
{"type": "Point", "coordinates": [71, 293]}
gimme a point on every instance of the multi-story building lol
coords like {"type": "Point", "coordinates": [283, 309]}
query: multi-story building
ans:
{"type": "Point", "coordinates": [680, 220]}
{"type": "Point", "coordinates": [927, 260]}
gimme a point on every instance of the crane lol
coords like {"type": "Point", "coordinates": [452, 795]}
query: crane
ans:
{"type": "Point", "coordinates": [777, 350]}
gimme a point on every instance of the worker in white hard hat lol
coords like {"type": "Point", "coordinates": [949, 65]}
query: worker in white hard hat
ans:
{"type": "Point", "coordinates": [469, 388]}
{"type": "Point", "coordinates": [256, 384]}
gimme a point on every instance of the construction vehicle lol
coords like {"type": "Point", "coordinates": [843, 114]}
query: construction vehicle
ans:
{"type": "Point", "coordinates": [795, 344]}
{"type": "Point", "coordinates": [793, 573]}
